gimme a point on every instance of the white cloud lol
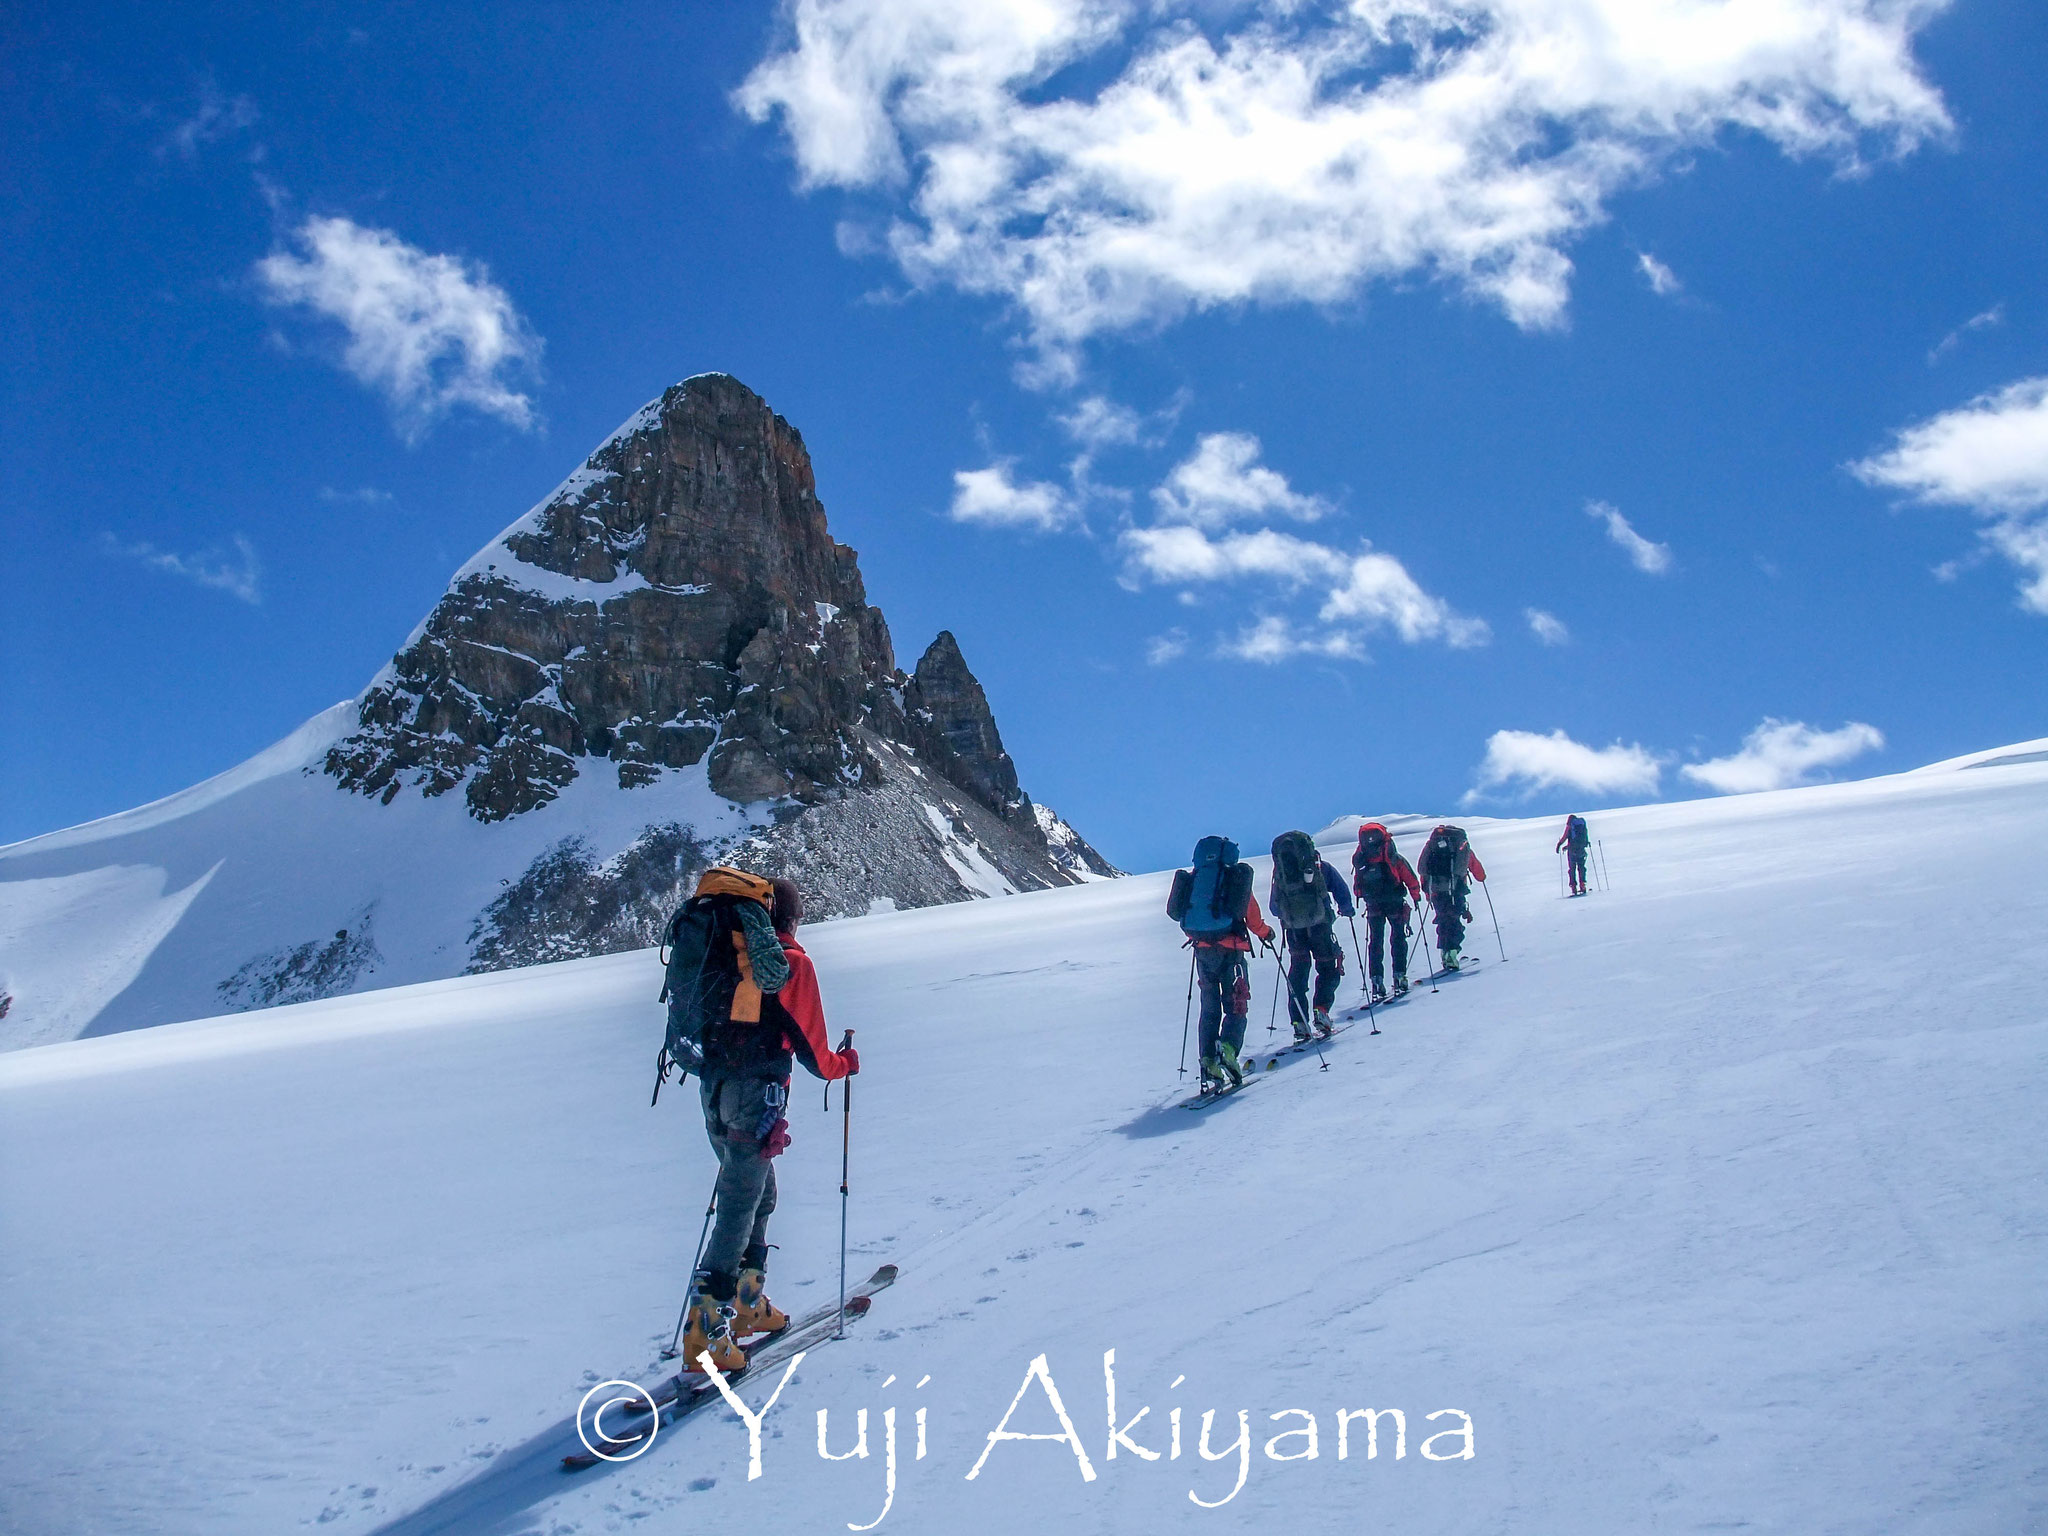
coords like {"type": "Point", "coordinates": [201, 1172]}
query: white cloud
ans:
{"type": "Point", "coordinates": [1361, 590]}
{"type": "Point", "coordinates": [1222, 482]}
{"type": "Point", "coordinates": [1528, 762]}
{"type": "Point", "coordinates": [1178, 553]}
{"type": "Point", "coordinates": [992, 499]}
{"type": "Point", "coordinates": [429, 332]}
{"type": "Point", "coordinates": [1171, 646]}
{"type": "Point", "coordinates": [1994, 316]}
{"type": "Point", "coordinates": [1651, 558]}
{"type": "Point", "coordinates": [1272, 639]}
{"type": "Point", "coordinates": [214, 118]}
{"type": "Point", "coordinates": [1782, 753]}
{"type": "Point", "coordinates": [239, 576]}
{"type": "Point", "coordinates": [1110, 164]}
{"type": "Point", "coordinates": [1099, 422]}
{"type": "Point", "coordinates": [1663, 281]}
{"type": "Point", "coordinates": [1991, 456]}
{"type": "Point", "coordinates": [364, 495]}
{"type": "Point", "coordinates": [1547, 627]}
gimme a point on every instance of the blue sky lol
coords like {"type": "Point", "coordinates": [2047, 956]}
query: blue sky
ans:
{"type": "Point", "coordinates": [1293, 409]}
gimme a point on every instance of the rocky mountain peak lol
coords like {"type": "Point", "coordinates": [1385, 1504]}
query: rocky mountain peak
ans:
{"type": "Point", "coordinates": [679, 601]}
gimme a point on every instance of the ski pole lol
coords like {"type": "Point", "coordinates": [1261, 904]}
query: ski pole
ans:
{"type": "Point", "coordinates": [1560, 872]}
{"type": "Point", "coordinates": [1273, 1012]}
{"type": "Point", "coordinates": [1605, 884]}
{"type": "Point", "coordinates": [1188, 1012]}
{"type": "Point", "coordinates": [1422, 933]}
{"type": "Point", "coordinates": [704, 1233]}
{"type": "Point", "coordinates": [1496, 922]}
{"type": "Point", "coordinates": [1363, 980]}
{"type": "Point", "coordinates": [845, 1162]}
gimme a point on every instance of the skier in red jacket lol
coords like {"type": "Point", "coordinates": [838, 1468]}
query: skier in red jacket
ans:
{"type": "Point", "coordinates": [745, 1090]}
{"type": "Point", "coordinates": [1384, 883]}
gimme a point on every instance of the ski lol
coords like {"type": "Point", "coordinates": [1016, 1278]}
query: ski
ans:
{"type": "Point", "coordinates": [1303, 1047]}
{"type": "Point", "coordinates": [676, 1397]}
{"type": "Point", "coordinates": [1207, 1097]}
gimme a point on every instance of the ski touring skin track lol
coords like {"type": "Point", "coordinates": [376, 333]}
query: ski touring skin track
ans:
{"type": "Point", "coordinates": [676, 1398]}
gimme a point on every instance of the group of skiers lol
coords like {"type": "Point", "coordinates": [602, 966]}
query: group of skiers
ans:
{"type": "Point", "coordinates": [1218, 912]}
{"type": "Point", "coordinates": [744, 1006]}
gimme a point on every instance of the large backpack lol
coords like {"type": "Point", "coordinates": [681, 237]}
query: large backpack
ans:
{"type": "Point", "coordinates": [1301, 898]}
{"type": "Point", "coordinates": [1575, 832]}
{"type": "Point", "coordinates": [1372, 867]}
{"type": "Point", "coordinates": [1445, 858]}
{"type": "Point", "coordinates": [722, 956]}
{"type": "Point", "coordinates": [1210, 900]}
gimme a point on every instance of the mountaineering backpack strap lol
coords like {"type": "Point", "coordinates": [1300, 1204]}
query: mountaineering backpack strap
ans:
{"type": "Point", "coordinates": [1301, 898]}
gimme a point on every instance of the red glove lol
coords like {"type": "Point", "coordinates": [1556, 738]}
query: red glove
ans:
{"type": "Point", "coordinates": [776, 1142]}
{"type": "Point", "coordinates": [851, 1057]}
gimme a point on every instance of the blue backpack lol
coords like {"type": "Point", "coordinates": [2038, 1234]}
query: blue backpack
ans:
{"type": "Point", "coordinates": [1209, 901]}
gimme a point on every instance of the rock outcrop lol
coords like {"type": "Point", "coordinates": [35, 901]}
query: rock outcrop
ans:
{"type": "Point", "coordinates": [678, 605]}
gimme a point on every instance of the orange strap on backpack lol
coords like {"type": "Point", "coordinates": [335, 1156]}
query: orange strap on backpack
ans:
{"type": "Point", "coordinates": [723, 880]}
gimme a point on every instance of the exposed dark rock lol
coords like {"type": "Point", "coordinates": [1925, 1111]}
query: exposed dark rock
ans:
{"type": "Point", "coordinates": [949, 722]}
{"type": "Point", "coordinates": [306, 972]}
{"type": "Point", "coordinates": [570, 903]}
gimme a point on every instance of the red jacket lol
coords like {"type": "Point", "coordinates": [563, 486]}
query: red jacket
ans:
{"type": "Point", "coordinates": [1478, 869]}
{"type": "Point", "coordinates": [1402, 871]}
{"type": "Point", "coordinates": [1254, 921]}
{"type": "Point", "coordinates": [801, 1012]}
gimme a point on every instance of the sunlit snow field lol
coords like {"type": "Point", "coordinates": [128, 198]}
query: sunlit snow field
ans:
{"type": "Point", "coordinates": [1719, 1205]}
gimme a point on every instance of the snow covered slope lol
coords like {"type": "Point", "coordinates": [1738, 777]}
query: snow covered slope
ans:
{"type": "Point", "coordinates": [1718, 1206]}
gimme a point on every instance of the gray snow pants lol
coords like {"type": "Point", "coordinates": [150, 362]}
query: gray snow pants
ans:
{"type": "Point", "coordinates": [734, 1108]}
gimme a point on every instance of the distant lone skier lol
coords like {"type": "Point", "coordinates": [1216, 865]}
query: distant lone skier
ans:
{"type": "Point", "coordinates": [1448, 868]}
{"type": "Point", "coordinates": [1215, 907]}
{"type": "Point", "coordinates": [743, 999]}
{"type": "Point", "coordinates": [1575, 841]}
{"type": "Point", "coordinates": [1306, 897]}
{"type": "Point", "coordinates": [1385, 884]}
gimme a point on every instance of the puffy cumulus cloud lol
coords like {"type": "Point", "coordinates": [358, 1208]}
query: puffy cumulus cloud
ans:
{"type": "Point", "coordinates": [1222, 482]}
{"type": "Point", "coordinates": [428, 332]}
{"type": "Point", "coordinates": [1547, 627]}
{"type": "Point", "coordinates": [1525, 762]}
{"type": "Point", "coordinates": [1991, 456]}
{"type": "Point", "coordinates": [1781, 753]}
{"type": "Point", "coordinates": [1109, 164]}
{"type": "Point", "coordinates": [1358, 590]}
{"type": "Point", "coordinates": [1647, 556]}
{"type": "Point", "coordinates": [992, 498]}
{"type": "Point", "coordinates": [239, 575]}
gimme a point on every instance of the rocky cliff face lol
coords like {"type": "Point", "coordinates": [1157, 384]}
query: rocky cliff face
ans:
{"type": "Point", "coordinates": [678, 606]}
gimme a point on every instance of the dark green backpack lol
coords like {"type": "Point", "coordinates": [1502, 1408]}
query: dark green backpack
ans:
{"type": "Point", "coordinates": [1301, 899]}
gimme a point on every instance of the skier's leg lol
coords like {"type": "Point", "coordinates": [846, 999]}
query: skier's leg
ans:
{"type": "Point", "coordinates": [1300, 960]}
{"type": "Point", "coordinates": [1212, 969]}
{"type": "Point", "coordinates": [1236, 1013]}
{"type": "Point", "coordinates": [1397, 941]}
{"type": "Point", "coordinates": [1329, 970]}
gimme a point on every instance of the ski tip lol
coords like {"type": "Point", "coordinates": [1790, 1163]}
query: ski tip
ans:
{"type": "Point", "coordinates": [857, 1306]}
{"type": "Point", "coordinates": [886, 1275]}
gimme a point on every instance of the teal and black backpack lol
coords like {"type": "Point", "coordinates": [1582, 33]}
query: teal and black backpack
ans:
{"type": "Point", "coordinates": [1210, 900]}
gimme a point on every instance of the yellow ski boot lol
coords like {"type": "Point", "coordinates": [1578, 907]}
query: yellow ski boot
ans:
{"type": "Point", "coordinates": [710, 1331]}
{"type": "Point", "coordinates": [753, 1312]}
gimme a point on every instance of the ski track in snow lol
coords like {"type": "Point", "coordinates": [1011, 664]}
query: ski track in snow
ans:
{"type": "Point", "coordinates": [1718, 1205]}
